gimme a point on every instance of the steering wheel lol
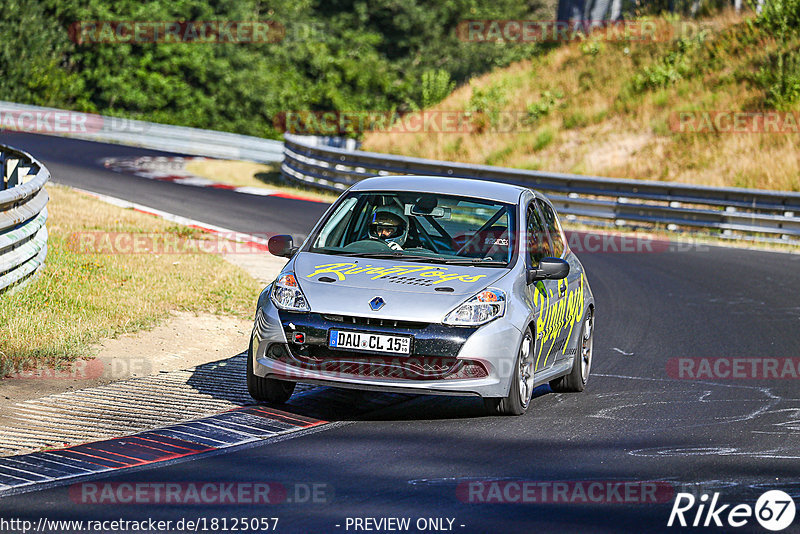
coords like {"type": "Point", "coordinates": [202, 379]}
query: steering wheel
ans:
{"type": "Point", "coordinates": [368, 245]}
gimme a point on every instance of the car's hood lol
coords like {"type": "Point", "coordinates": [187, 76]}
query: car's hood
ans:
{"type": "Point", "coordinates": [412, 291]}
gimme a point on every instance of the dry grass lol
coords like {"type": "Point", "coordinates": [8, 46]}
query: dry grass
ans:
{"type": "Point", "coordinates": [601, 123]}
{"type": "Point", "coordinates": [249, 174]}
{"type": "Point", "coordinates": [80, 298]}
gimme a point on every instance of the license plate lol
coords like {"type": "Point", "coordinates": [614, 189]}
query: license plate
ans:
{"type": "Point", "coordinates": [366, 341]}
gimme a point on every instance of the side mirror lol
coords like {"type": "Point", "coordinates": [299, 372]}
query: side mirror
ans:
{"type": "Point", "coordinates": [281, 245]}
{"type": "Point", "coordinates": [549, 269]}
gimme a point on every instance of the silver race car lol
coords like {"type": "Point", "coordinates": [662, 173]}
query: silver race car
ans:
{"type": "Point", "coordinates": [446, 286]}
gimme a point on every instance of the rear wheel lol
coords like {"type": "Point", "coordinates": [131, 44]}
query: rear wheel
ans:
{"type": "Point", "coordinates": [266, 389]}
{"type": "Point", "coordinates": [575, 381]}
{"type": "Point", "coordinates": [521, 391]}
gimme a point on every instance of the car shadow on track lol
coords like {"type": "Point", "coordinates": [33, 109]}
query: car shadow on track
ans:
{"type": "Point", "coordinates": [225, 379]}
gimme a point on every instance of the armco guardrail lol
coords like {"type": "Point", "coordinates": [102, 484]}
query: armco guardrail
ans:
{"type": "Point", "coordinates": [194, 141]}
{"type": "Point", "coordinates": [334, 164]}
{"type": "Point", "coordinates": [23, 235]}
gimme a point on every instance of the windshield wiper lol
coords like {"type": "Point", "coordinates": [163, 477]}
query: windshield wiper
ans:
{"type": "Point", "coordinates": [389, 255]}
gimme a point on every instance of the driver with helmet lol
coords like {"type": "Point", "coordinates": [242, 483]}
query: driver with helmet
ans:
{"type": "Point", "coordinates": [390, 225]}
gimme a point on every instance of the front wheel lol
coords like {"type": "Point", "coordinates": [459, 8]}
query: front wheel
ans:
{"type": "Point", "coordinates": [266, 389]}
{"type": "Point", "coordinates": [521, 391]}
{"type": "Point", "coordinates": [575, 381]}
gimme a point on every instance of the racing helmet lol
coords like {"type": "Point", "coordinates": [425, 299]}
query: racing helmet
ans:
{"type": "Point", "coordinates": [389, 224]}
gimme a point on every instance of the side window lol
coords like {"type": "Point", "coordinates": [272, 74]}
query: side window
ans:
{"type": "Point", "coordinates": [332, 233]}
{"type": "Point", "coordinates": [552, 226]}
{"type": "Point", "coordinates": [538, 246]}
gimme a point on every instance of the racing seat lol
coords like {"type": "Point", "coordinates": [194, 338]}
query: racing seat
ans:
{"type": "Point", "coordinates": [490, 243]}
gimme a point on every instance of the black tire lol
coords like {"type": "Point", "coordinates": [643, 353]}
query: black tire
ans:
{"type": "Point", "coordinates": [513, 404]}
{"type": "Point", "coordinates": [268, 390]}
{"type": "Point", "coordinates": [575, 381]}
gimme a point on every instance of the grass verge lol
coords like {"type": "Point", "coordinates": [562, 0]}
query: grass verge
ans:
{"type": "Point", "coordinates": [81, 298]}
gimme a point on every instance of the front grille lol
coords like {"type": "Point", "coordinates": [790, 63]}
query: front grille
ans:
{"type": "Point", "coordinates": [349, 320]}
{"type": "Point", "coordinates": [324, 360]}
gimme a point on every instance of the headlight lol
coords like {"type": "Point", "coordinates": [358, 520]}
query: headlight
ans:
{"type": "Point", "coordinates": [286, 294]}
{"type": "Point", "coordinates": [487, 305]}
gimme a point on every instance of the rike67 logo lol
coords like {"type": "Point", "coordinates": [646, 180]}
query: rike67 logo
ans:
{"type": "Point", "coordinates": [774, 510]}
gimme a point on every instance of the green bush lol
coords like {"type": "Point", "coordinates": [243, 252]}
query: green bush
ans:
{"type": "Point", "coordinates": [670, 67]}
{"type": "Point", "coordinates": [780, 76]}
{"type": "Point", "coordinates": [543, 107]}
{"type": "Point", "coordinates": [543, 138]}
{"type": "Point", "coordinates": [487, 103]}
{"type": "Point", "coordinates": [780, 79]}
{"type": "Point", "coordinates": [436, 85]}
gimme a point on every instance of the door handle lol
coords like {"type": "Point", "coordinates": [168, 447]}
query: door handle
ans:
{"type": "Point", "coordinates": [562, 290]}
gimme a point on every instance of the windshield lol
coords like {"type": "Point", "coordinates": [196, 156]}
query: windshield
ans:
{"type": "Point", "coordinates": [422, 226]}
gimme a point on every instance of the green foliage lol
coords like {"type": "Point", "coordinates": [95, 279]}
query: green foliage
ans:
{"type": "Point", "coordinates": [454, 147]}
{"type": "Point", "coordinates": [33, 66]}
{"type": "Point", "coordinates": [763, 50]}
{"type": "Point", "coordinates": [499, 156]}
{"type": "Point", "coordinates": [778, 16]}
{"type": "Point", "coordinates": [661, 74]}
{"type": "Point", "coordinates": [543, 107]}
{"type": "Point", "coordinates": [487, 103]}
{"type": "Point", "coordinates": [336, 55]}
{"type": "Point", "coordinates": [780, 76]}
{"type": "Point", "coordinates": [669, 68]}
{"type": "Point", "coordinates": [591, 47]}
{"type": "Point", "coordinates": [577, 119]}
{"type": "Point", "coordinates": [436, 85]}
{"type": "Point", "coordinates": [666, 65]}
{"type": "Point", "coordinates": [543, 138]}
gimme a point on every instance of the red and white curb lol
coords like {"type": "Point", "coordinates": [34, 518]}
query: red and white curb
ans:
{"type": "Point", "coordinates": [173, 169]}
{"type": "Point", "coordinates": [234, 428]}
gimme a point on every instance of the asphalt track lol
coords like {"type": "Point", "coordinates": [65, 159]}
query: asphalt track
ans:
{"type": "Point", "coordinates": [76, 163]}
{"type": "Point", "coordinates": [634, 422]}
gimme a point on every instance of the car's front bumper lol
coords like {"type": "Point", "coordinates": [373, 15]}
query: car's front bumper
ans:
{"type": "Point", "coordinates": [445, 360]}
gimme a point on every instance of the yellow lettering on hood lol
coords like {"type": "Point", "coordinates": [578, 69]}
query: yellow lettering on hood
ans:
{"type": "Point", "coordinates": [341, 270]}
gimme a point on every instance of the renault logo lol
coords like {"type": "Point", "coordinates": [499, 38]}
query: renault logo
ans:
{"type": "Point", "coordinates": [376, 303]}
